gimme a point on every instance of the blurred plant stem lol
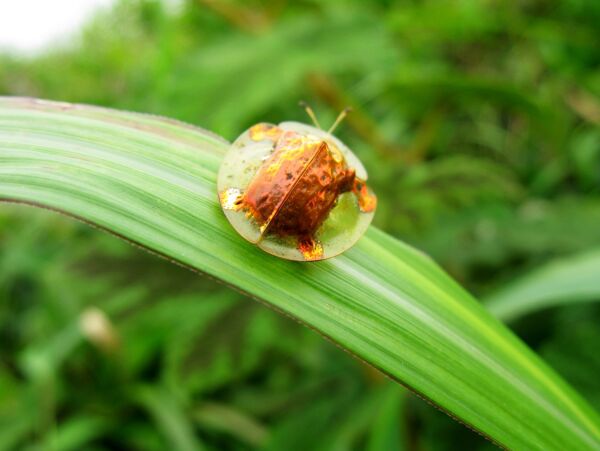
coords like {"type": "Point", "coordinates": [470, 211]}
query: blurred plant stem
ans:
{"type": "Point", "coordinates": [585, 105]}
{"type": "Point", "coordinates": [246, 18]}
{"type": "Point", "coordinates": [327, 89]}
{"type": "Point", "coordinates": [224, 418]}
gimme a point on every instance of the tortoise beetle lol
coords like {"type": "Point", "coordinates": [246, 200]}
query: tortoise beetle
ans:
{"type": "Point", "coordinates": [295, 190]}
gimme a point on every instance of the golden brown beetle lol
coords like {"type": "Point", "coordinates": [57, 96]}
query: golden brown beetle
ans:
{"type": "Point", "coordinates": [290, 178]}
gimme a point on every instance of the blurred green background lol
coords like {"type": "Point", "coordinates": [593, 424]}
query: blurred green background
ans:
{"type": "Point", "coordinates": [479, 123]}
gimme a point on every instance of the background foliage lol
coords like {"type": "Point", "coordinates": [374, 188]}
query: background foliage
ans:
{"type": "Point", "coordinates": [479, 122]}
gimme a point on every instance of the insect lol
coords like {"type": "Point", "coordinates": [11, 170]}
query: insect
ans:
{"type": "Point", "coordinates": [295, 190]}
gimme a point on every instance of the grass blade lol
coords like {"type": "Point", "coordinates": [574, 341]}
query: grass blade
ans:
{"type": "Point", "coordinates": [565, 280]}
{"type": "Point", "coordinates": [169, 418]}
{"type": "Point", "coordinates": [152, 182]}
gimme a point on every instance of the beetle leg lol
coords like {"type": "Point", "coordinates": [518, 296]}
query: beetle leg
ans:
{"type": "Point", "coordinates": [366, 201]}
{"type": "Point", "coordinates": [310, 248]}
{"type": "Point", "coordinates": [232, 199]}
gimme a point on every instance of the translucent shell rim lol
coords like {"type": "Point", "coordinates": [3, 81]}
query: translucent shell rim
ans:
{"type": "Point", "coordinates": [345, 223]}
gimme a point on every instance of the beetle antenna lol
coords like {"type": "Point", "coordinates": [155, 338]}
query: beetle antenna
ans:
{"type": "Point", "coordinates": [339, 119]}
{"type": "Point", "coordinates": [310, 113]}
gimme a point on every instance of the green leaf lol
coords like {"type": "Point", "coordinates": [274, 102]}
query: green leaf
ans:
{"type": "Point", "coordinates": [76, 433]}
{"type": "Point", "coordinates": [152, 182]}
{"type": "Point", "coordinates": [226, 419]}
{"type": "Point", "coordinates": [388, 430]}
{"type": "Point", "coordinates": [565, 280]}
{"type": "Point", "coordinates": [169, 417]}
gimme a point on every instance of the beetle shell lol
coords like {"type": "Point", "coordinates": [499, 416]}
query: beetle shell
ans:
{"type": "Point", "coordinates": [295, 191]}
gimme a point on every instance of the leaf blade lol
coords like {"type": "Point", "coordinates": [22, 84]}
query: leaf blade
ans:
{"type": "Point", "coordinates": [152, 181]}
{"type": "Point", "coordinates": [566, 280]}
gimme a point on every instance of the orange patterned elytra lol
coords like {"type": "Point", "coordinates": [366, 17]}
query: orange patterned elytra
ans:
{"type": "Point", "coordinates": [295, 191]}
